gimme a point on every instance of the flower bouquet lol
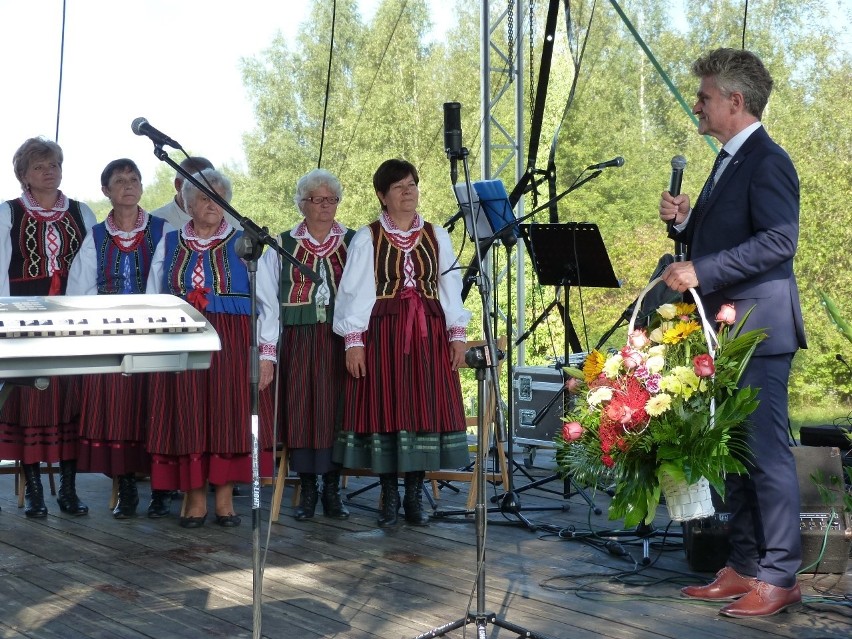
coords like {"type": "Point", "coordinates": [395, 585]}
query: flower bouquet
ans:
{"type": "Point", "coordinates": [664, 410]}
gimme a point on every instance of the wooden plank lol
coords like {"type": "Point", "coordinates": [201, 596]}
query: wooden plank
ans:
{"type": "Point", "coordinates": [98, 577]}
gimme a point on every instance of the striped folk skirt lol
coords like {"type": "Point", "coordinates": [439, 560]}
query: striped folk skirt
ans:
{"type": "Point", "coordinates": [312, 383]}
{"type": "Point", "coordinates": [406, 413]}
{"type": "Point", "coordinates": [41, 426]}
{"type": "Point", "coordinates": [113, 428]}
{"type": "Point", "coordinates": [200, 421]}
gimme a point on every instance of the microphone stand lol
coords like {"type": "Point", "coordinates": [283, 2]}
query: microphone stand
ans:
{"type": "Point", "coordinates": [249, 248]}
{"type": "Point", "coordinates": [489, 367]}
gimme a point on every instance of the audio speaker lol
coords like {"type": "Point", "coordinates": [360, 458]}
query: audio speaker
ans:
{"type": "Point", "coordinates": [706, 540]}
{"type": "Point", "coordinates": [821, 466]}
{"type": "Point", "coordinates": [538, 405]}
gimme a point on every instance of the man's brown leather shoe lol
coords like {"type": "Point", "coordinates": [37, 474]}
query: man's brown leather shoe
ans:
{"type": "Point", "coordinates": [729, 584]}
{"type": "Point", "coordinates": [764, 600]}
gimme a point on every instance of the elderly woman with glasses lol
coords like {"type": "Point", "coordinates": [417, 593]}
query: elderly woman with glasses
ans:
{"type": "Point", "coordinates": [199, 429]}
{"type": "Point", "coordinates": [313, 374]}
{"type": "Point", "coordinates": [400, 310]}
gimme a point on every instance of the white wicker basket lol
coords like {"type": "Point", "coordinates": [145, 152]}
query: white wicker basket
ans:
{"type": "Point", "coordinates": [687, 502]}
{"type": "Point", "coordinates": [684, 501]}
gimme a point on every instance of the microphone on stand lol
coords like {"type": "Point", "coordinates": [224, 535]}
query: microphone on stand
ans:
{"type": "Point", "coordinates": [453, 136]}
{"type": "Point", "coordinates": [675, 182]}
{"type": "Point", "coordinates": [619, 161]}
{"type": "Point", "coordinates": [140, 126]}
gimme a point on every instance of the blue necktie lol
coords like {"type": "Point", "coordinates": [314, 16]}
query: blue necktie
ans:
{"type": "Point", "coordinates": [701, 202]}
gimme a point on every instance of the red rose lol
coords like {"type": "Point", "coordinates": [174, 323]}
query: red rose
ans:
{"type": "Point", "coordinates": [703, 365]}
{"type": "Point", "coordinates": [571, 431]}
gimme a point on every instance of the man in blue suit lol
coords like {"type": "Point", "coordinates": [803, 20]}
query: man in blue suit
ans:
{"type": "Point", "coordinates": [741, 238]}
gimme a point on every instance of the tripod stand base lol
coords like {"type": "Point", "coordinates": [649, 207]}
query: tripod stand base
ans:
{"type": "Point", "coordinates": [642, 532]}
{"type": "Point", "coordinates": [482, 620]}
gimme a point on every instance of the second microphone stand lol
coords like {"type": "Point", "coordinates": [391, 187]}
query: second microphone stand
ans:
{"type": "Point", "coordinates": [485, 365]}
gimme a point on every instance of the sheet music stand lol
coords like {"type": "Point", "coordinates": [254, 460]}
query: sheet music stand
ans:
{"type": "Point", "coordinates": [490, 199]}
{"type": "Point", "coordinates": [565, 255]}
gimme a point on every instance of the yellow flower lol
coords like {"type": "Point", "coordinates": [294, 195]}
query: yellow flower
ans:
{"type": "Point", "coordinates": [658, 404]}
{"type": "Point", "coordinates": [681, 381]}
{"type": "Point", "coordinates": [680, 332]}
{"type": "Point", "coordinates": [593, 366]}
{"type": "Point", "coordinates": [685, 309]}
{"type": "Point", "coordinates": [612, 366]}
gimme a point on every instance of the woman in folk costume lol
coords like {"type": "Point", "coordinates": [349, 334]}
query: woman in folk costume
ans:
{"type": "Point", "coordinates": [400, 311]}
{"type": "Point", "coordinates": [200, 426]}
{"type": "Point", "coordinates": [313, 374]}
{"type": "Point", "coordinates": [114, 260]}
{"type": "Point", "coordinates": [40, 233]}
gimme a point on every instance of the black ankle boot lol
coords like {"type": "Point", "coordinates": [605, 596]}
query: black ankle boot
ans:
{"type": "Point", "coordinates": [161, 503]}
{"type": "Point", "coordinates": [390, 501]}
{"type": "Point", "coordinates": [128, 497]}
{"type": "Point", "coordinates": [332, 504]}
{"type": "Point", "coordinates": [308, 498]}
{"type": "Point", "coordinates": [411, 503]}
{"type": "Point", "coordinates": [35, 508]}
{"type": "Point", "coordinates": [67, 498]}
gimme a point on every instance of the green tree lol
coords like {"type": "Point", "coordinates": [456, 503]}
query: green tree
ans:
{"type": "Point", "coordinates": [388, 83]}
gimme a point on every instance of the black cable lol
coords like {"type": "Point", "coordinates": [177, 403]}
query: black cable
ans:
{"type": "Point", "coordinates": [370, 88]}
{"type": "Point", "coordinates": [745, 21]}
{"type": "Point", "coordinates": [327, 83]}
{"type": "Point", "coordinates": [61, 67]}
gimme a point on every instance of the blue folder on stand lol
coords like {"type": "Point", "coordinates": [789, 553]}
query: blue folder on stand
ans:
{"type": "Point", "coordinates": [491, 208]}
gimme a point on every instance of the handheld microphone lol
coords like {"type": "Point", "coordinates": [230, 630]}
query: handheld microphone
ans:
{"type": "Point", "coordinates": [678, 165]}
{"type": "Point", "coordinates": [619, 161]}
{"type": "Point", "coordinates": [453, 136]}
{"type": "Point", "coordinates": [140, 126]}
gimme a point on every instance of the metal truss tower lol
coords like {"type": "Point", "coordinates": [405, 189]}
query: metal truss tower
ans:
{"type": "Point", "coordinates": [502, 79]}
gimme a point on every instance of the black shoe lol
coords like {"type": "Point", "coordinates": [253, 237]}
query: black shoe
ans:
{"type": "Point", "coordinates": [193, 522]}
{"type": "Point", "coordinates": [390, 501]}
{"type": "Point", "coordinates": [128, 497]}
{"type": "Point", "coordinates": [34, 494]}
{"type": "Point", "coordinates": [332, 502]}
{"type": "Point", "coordinates": [161, 503]}
{"type": "Point", "coordinates": [411, 501]}
{"type": "Point", "coordinates": [228, 521]}
{"type": "Point", "coordinates": [308, 497]}
{"type": "Point", "coordinates": [67, 498]}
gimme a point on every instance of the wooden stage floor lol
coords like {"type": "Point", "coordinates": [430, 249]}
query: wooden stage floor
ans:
{"type": "Point", "coordinates": [95, 577]}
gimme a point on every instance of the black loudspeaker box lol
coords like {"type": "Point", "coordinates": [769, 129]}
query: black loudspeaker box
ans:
{"type": "Point", "coordinates": [538, 405]}
{"type": "Point", "coordinates": [706, 540]}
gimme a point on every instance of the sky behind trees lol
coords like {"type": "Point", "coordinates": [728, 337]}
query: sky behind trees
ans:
{"type": "Point", "coordinates": [175, 63]}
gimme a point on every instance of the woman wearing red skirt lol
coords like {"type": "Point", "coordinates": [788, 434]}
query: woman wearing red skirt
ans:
{"type": "Point", "coordinates": [40, 233]}
{"type": "Point", "coordinates": [114, 260]}
{"type": "Point", "coordinates": [400, 311]}
{"type": "Point", "coordinates": [200, 426]}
